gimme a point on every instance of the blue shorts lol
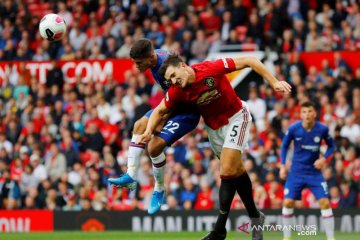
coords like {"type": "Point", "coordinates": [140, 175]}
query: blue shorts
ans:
{"type": "Point", "coordinates": [296, 182]}
{"type": "Point", "coordinates": [177, 126]}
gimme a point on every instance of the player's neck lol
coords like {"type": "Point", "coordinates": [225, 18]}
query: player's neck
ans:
{"type": "Point", "coordinates": [192, 76]}
{"type": "Point", "coordinates": [308, 126]}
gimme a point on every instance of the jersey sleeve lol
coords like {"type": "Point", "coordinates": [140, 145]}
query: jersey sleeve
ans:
{"type": "Point", "coordinates": [172, 97]}
{"type": "Point", "coordinates": [285, 145]}
{"type": "Point", "coordinates": [329, 141]}
{"type": "Point", "coordinates": [221, 66]}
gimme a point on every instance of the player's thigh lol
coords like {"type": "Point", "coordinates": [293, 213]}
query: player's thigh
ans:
{"type": "Point", "coordinates": [236, 135]}
{"type": "Point", "coordinates": [318, 186]}
{"type": "Point", "coordinates": [231, 163]}
{"type": "Point", "coordinates": [177, 126]}
{"type": "Point", "coordinates": [293, 186]}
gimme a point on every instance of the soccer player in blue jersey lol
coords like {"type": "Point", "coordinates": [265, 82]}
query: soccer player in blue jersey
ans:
{"type": "Point", "coordinates": [305, 171]}
{"type": "Point", "coordinates": [179, 123]}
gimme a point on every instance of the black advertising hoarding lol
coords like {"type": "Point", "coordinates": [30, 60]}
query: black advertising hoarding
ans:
{"type": "Point", "coordinates": [346, 220]}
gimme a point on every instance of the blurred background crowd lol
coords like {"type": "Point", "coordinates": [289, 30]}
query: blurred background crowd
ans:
{"type": "Point", "coordinates": [59, 142]}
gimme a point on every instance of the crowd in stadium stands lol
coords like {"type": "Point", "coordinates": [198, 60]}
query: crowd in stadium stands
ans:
{"type": "Point", "coordinates": [60, 142]}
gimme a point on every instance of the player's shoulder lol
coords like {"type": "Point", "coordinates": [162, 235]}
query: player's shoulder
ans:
{"type": "Point", "coordinates": [161, 52]}
{"type": "Point", "coordinates": [321, 126]}
{"type": "Point", "coordinates": [295, 126]}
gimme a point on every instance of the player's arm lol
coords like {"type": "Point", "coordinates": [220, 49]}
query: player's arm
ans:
{"type": "Point", "coordinates": [259, 67]}
{"type": "Point", "coordinates": [160, 113]}
{"type": "Point", "coordinates": [326, 158]}
{"type": "Point", "coordinates": [284, 149]}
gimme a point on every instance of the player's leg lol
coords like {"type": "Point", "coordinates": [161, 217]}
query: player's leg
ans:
{"type": "Point", "coordinates": [288, 217]}
{"type": "Point", "coordinates": [237, 136]}
{"type": "Point", "coordinates": [174, 129]}
{"type": "Point", "coordinates": [233, 175]}
{"type": "Point", "coordinates": [293, 187]}
{"type": "Point", "coordinates": [155, 149]}
{"type": "Point", "coordinates": [318, 186]}
{"type": "Point", "coordinates": [135, 151]}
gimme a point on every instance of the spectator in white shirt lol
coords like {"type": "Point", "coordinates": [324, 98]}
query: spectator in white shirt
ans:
{"type": "Point", "coordinates": [350, 130]}
{"type": "Point", "coordinates": [6, 144]}
{"type": "Point", "coordinates": [257, 108]}
{"type": "Point", "coordinates": [103, 108]}
{"type": "Point", "coordinates": [39, 169]}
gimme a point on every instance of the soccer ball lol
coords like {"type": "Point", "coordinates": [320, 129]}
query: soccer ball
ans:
{"type": "Point", "coordinates": [52, 27]}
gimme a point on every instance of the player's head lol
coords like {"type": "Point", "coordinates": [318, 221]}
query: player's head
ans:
{"type": "Point", "coordinates": [175, 71]}
{"type": "Point", "coordinates": [308, 112]}
{"type": "Point", "coordinates": [143, 55]}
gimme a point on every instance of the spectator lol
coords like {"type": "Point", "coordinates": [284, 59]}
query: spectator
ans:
{"type": "Point", "coordinates": [350, 130]}
{"type": "Point", "coordinates": [10, 193]}
{"type": "Point", "coordinates": [199, 47]}
{"type": "Point", "coordinates": [39, 170]}
{"type": "Point", "coordinates": [124, 50]}
{"type": "Point", "coordinates": [55, 162]}
{"type": "Point", "coordinates": [257, 108]}
{"type": "Point", "coordinates": [348, 195]}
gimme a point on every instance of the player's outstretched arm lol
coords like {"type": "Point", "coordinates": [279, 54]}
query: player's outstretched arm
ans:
{"type": "Point", "coordinates": [284, 149]}
{"type": "Point", "coordinates": [160, 113]}
{"type": "Point", "coordinates": [259, 67]}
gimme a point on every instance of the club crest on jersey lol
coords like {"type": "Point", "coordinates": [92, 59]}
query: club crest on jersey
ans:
{"type": "Point", "coordinates": [316, 139]}
{"type": "Point", "coordinates": [209, 82]}
{"type": "Point", "coordinates": [167, 83]}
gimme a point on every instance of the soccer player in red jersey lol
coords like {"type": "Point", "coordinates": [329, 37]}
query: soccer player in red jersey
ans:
{"type": "Point", "coordinates": [227, 118]}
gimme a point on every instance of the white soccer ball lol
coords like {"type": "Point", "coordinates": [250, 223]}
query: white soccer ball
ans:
{"type": "Point", "coordinates": [52, 27]}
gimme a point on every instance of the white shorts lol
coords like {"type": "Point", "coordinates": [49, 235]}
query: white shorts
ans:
{"type": "Point", "coordinates": [234, 135]}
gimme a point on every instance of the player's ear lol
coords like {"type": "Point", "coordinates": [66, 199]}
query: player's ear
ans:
{"type": "Point", "coordinates": [183, 65]}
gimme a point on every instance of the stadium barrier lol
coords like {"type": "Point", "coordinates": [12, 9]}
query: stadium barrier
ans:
{"type": "Point", "coordinates": [347, 220]}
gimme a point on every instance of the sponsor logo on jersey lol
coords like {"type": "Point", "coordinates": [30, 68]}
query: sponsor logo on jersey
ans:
{"type": "Point", "coordinates": [208, 96]}
{"type": "Point", "coordinates": [313, 148]}
{"type": "Point", "coordinates": [316, 139]}
{"type": "Point", "coordinates": [209, 82]}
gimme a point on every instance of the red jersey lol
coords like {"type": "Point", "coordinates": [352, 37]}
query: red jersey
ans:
{"type": "Point", "coordinates": [211, 92]}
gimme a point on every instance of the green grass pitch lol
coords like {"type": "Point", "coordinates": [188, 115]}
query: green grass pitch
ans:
{"type": "Point", "coordinates": [113, 235]}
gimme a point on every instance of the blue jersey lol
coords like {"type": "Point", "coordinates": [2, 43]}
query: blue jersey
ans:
{"type": "Point", "coordinates": [306, 146]}
{"type": "Point", "coordinates": [161, 56]}
{"type": "Point", "coordinates": [184, 119]}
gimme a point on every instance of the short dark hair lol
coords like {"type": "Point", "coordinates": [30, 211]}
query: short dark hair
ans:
{"type": "Point", "coordinates": [308, 104]}
{"type": "Point", "coordinates": [172, 60]}
{"type": "Point", "coordinates": [142, 48]}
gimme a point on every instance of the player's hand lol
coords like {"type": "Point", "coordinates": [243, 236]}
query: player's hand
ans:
{"type": "Point", "coordinates": [283, 172]}
{"type": "Point", "coordinates": [282, 86]}
{"type": "Point", "coordinates": [143, 138]}
{"type": "Point", "coordinates": [320, 163]}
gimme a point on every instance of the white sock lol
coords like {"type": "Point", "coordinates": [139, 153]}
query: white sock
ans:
{"type": "Point", "coordinates": [288, 220]}
{"type": "Point", "coordinates": [134, 154]}
{"type": "Point", "coordinates": [329, 222]}
{"type": "Point", "coordinates": [159, 171]}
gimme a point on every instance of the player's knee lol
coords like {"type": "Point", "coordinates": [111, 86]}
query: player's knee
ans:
{"type": "Point", "coordinates": [156, 146]}
{"type": "Point", "coordinates": [140, 126]}
{"type": "Point", "coordinates": [289, 203]}
{"type": "Point", "coordinates": [230, 170]}
{"type": "Point", "coordinates": [324, 203]}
